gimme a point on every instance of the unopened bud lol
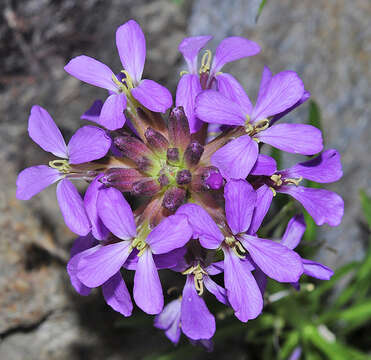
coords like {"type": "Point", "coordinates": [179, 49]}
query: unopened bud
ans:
{"type": "Point", "coordinates": [172, 156]}
{"type": "Point", "coordinates": [193, 153]}
{"type": "Point", "coordinates": [183, 177]}
{"type": "Point", "coordinates": [179, 134]}
{"type": "Point", "coordinates": [146, 187]}
{"type": "Point", "coordinates": [121, 179]}
{"type": "Point", "coordinates": [213, 179]}
{"type": "Point", "coordinates": [131, 147]}
{"type": "Point", "coordinates": [173, 199]}
{"type": "Point", "coordinates": [163, 180]}
{"type": "Point", "coordinates": [156, 140]}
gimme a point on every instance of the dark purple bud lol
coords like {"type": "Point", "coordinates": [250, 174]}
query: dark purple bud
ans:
{"type": "Point", "coordinates": [172, 155]}
{"type": "Point", "coordinates": [131, 147]}
{"type": "Point", "coordinates": [146, 187]}
{"type": "Point", "coordinates": [179, 134]}
{"type": "Point", "coordinates": [193, 153]}
{"type": "Point", "coordinates": [163, 180]}
{"type": "Point", "coordinates": [183, 177]}
{"type": "Point", "coordinates": [173, 198]}
{"type": "Point", "coordinates": [214, 181]}
{"type": "Point", "coordinates": [120, 178]}
{"type": "Point", "coordinates": [156, 140]}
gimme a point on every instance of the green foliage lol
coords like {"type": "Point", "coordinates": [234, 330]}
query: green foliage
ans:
{"type": "Point", "coordinates": [261, 7]}
{"type": "Point", "coordinates": [366, 206]}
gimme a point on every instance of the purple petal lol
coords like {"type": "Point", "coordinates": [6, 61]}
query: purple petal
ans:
{"type": "Point", "coordinates": [96, 268]}
{"type": "Point", "coordinates": [213, 107]}
{"type": "Point", "coordinates": [303, 99]}
{"type": "Point", "coordinates": [231, 49]}
{"type": "Point", "coordinates": [204, 227]}
{"type": "Point", "coordinates": [171, 233]}
{"type": "Point", "coordinates": [235, 159]}
{"type": "Point", "coordinates": [293, 138]}
{"type": "Point", "coordinates": [279, 93]}
{"type": "Point", "coordinates": [215, 268]}
{"type": "Point", "coordinates": [131, 45]}
{"type": "Point", "coordinates": [116, 213]}
{"type": "Point", "coordinates": [275, 260]}
{"type": "Point", "coordinates": [219, 292]}
{"type": "Point", "coordinates": [98, 229]}
{"type": "Point", "coordinates": [240, 199]}
{"type": "Point", "coordinates": [92, 72]}
{"type": "Point", "coordinates": [169, 320]}
{"type": "Point", "coordinates": [243, 292]}
{"type": "Point", "coordinates": [228, 86]}
{"type": "Point", "coordinates": [325, 207]}
{"type": "Point", "coordinates": [112, 116]}
{"type": "Point", "coordinates": [264, 197]}
{"type": "Point", "coordinates": [264, 165]}
{"type": "Point", "coordinates": [261, 280]}
{"type": "Point", "coordinates": [324, 168]}
{"type": "Point", "coordinates": [153, 96]}
{"type": "Point", "coordinates": [190, 47]}
{"type": "Point", "coordinates": [73, 264]}
{"type": "Point", "coordinates": [92, 114]}
{"type": "Point", "coordinates": [117, 295]}
{"type": "Point", "coordinates": [34, 179]}
{"type": "Point", "coordinates": [44, 132]}
{"type": "Point", "coordinates": [317, 270]}
{"type": "Point", "coordinates": [188, 88]}
{"type": "Point", "coordinates": [264, 82]}
{"type": "Point", "coordinates": [72, 208]}
{"type": "Point", "coordinates": [87, 144]}
{"type": "Point", "coordinates": [197, 321]}
{"type": "Point", "coordinates": [294, 232]}
{"type": "Point", "coordinates": [82, 243]}
{"type": "Point", "coordinates": [147, 286]}
{"type": "Point", "coordinates": [171, 259]}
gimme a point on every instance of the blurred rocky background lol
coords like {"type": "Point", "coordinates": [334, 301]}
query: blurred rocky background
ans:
{"type": "Point", "coordinates": [328, 42]}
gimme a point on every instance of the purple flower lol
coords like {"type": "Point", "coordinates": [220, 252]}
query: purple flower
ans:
{"type": "Point", "coordinates": [127, 89]}
{"type": "Point", "coordinates": [87, 144]}
{"type": "Point", "coordinates": [241, 247]}
{"type": "Point", "coordinates": [99, 265]}
{"type": "Point", "coordinates": [190, 313]}
{"type": "Point", "coordinates": [323, 205]}
{"type": "Point", "coordinates": [191, 83]}
{"type": "Point", "coordinates": [276, 95]}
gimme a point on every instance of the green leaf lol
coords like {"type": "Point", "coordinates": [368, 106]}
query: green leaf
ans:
{"type": "Point", "coordinates": [314, 116]}
{"type": "Point", "coordinates": [356, 315]}
{"type": "Point", "coordinates": [366, 206]}
{"type": "Point", "coordinates": [277, 155]}
{"type": "Point", "coordinates": [261, 7]}
{"type": "Point", "coordinates": [289, 345]}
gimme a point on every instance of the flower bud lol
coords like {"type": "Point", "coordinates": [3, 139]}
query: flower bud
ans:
{"type": "Point", "coordinates": [183, 177]}
{"type": "Point", "coordinates": [172, 156]}
{"type": "Point", "coordinates": [193, 153]}
{"type": "Point", "coordinates": [163, 180]}
{"type": "Point", "coordinates": [121, 179]}
{"type": "Point", "coordinates": [156, 140]}
{"type": "Point", "coordinates": [146, 187]}
{"type": "Point", "coordinates": [173, 198]}
{"type": "Point", "coordinates": [179, 134]}
{"type": "Point", "coordinates": [131, 147]}
{"type": "Point", "coordinates": [213, 179]}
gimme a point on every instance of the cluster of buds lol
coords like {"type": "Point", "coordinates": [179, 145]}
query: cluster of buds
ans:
{"type": "Point", "coordinates": [186, 192]}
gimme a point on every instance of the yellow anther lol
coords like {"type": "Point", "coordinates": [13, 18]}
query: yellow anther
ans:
{"type": "Point", "coordinates": [273, 191]}
{"type": "Point", "coordinates": [140, 245]}
{"type": "Point", "coordinates": [205, 62]}
{"type": "Point", "coordinates": [241, 256]}
{"type": "Point", "coordinates": [261, 125]}
{"type": "Point", "coordinates": [128, 80]}
{"type": "Point", "coordinates": [116, 80]}
{"type": "Point", "coordinates": [229, 240]}
{"type": "Point", "coordinates": [198, 273]}
{"type": "Point", "coordinates": [276, 178]}
{"type": "Point", "coordinates": [61, 165]}
{"type": "Point", "coordinates": [240, 247]}
{"type": "Point", "coordinates": [183, 72]}
{"type": "Point", "coordinates": [294, 181]}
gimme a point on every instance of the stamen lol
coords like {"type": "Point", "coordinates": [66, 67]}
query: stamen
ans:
{"type": "Point", "coordinates": [128, 80]}
{"type": "Point", "coordinates": [277, 179]}
{"type": "Point", "coordinates": [183, 72]}
{"type": "Point", "coordinates": [273, 191]}
{"type": "Point", "coordinates": [205, 62]}
{"type": "Point", "coordinates": [140, 245]}
{"type": "Point", "coordinates": [198, 273]}
{"type": "Point", "coordinates": [293, 181]}
{"type": "Point", "coordinates": [61, 165]}
{"type": "Point", "coordinates": [237, 253]}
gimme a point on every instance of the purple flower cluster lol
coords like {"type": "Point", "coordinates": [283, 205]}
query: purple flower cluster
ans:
{"type": "Point", "coordinates": [162, 196]}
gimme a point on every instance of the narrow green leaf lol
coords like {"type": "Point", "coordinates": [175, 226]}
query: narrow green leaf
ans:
{"type": "Point", "coordinates": [366, 206]}
{"type": "Point", "coordinates": [314, 116]}
{"type": "Point", "coordinates": [289, 345]}
{"type": "Point", "coordinates": [261, 7]}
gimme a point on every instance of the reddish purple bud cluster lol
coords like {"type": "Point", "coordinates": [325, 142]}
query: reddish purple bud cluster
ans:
{"type": "Point", "coordinates": [198, 204]}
